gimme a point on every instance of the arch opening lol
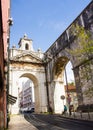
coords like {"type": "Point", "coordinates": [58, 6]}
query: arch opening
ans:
{"type": "Point", "coordinates": [28, 94]}
{"type": "Point", "coordinates": [63, 81]}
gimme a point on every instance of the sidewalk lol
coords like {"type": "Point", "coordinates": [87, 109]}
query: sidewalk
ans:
{"type": "Point", "coordinates": [17, 122]}
{"type": "Point", "coordinates": [81, 116]}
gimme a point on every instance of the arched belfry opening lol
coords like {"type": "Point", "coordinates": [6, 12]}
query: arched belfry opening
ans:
{"type": "Point", "coordinates": [26, 46]}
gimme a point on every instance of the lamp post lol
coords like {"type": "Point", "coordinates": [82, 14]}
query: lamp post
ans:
{"type": "Point", "coordinates": [68, 96]}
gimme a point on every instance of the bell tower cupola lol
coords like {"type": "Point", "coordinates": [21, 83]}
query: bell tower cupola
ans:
{"type": "Point", "coordinates": [25, 43]}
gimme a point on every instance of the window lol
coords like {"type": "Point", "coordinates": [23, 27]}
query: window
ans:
{"type": "Point", "coordinates": [27, 46]}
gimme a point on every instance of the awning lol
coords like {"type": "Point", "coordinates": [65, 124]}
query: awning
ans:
{"type": "Point", "coordinates": [11, 99]}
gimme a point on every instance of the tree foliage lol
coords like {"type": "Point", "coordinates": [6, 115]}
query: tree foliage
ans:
{"type": "Point", "coordinates": [85, 42]}
{"type": "Point", "coordinates": [71, 83]}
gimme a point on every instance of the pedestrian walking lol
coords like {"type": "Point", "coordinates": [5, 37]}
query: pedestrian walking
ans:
{"type": "Point", "coordinates": [65, 110]}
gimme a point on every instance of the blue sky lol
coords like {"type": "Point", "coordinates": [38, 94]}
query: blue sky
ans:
{"type": "Point", "coordinates": [43, 20]}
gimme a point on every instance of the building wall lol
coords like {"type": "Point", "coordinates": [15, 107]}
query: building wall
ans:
{"type": "Point", "coordinates": [26, 101]}
{"type": "Point", "coordinates": [4, 12]}
{"type": "Point", "coordinates": [1, 72]}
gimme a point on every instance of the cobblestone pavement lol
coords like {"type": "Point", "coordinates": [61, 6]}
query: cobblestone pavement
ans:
{"type": "Point", "coordinates": [17, 122]}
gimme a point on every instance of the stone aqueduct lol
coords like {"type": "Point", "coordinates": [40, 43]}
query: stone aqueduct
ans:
{"type": "Point", "coordinates": [47, 70]}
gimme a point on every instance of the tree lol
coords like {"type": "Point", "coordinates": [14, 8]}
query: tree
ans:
{"type": "Point", "coordinates": [71, 83]}
{"type": "Point", "coordinates": [85, 42]}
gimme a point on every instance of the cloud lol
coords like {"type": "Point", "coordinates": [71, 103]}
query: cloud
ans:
{"type": "Point", "coordinates": [54, 25]}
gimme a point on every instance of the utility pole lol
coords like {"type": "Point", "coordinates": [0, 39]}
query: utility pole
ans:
{"type": "Point", "coordinates": [67, 90]}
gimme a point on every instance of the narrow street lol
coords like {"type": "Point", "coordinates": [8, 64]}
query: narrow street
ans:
{"type": "Point", "coordinates": [57, 122]}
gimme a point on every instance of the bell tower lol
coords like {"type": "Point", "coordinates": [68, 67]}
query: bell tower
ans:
{"type": "Point", "coordinates": [25, 43]}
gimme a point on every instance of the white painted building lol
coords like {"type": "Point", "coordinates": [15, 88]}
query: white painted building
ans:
{"type": "Point", "coordinates": [26, 96]}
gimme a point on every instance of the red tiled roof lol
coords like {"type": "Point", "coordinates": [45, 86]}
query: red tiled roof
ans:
{"type": "Point", "coordinates": [70, 87]}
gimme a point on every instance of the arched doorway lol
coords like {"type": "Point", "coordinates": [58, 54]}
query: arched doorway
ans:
{"type": "Point", "coordinates": [14, 90]}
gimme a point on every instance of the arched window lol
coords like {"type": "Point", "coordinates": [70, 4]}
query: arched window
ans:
{"type": "Point", "coordinates": [27, 46]}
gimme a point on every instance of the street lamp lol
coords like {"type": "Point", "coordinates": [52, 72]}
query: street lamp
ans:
{"type": "Point", "coordinates": [67, 91]}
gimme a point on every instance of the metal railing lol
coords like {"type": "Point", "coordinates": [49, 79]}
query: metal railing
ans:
{"type": "Point", "coordinates": [80, 115]}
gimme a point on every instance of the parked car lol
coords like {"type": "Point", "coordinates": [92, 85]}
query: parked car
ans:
{"type": "Point", "coordinates": [31, 110]}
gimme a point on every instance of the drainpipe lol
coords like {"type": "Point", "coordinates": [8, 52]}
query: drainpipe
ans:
{"type": "Point", "coordinates": [10, 23]}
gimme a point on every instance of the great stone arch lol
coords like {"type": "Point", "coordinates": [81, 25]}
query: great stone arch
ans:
{"type": "Point", "coordinates": [27, 63]}
{"type": "Point", "coordinates": [46, 70]}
